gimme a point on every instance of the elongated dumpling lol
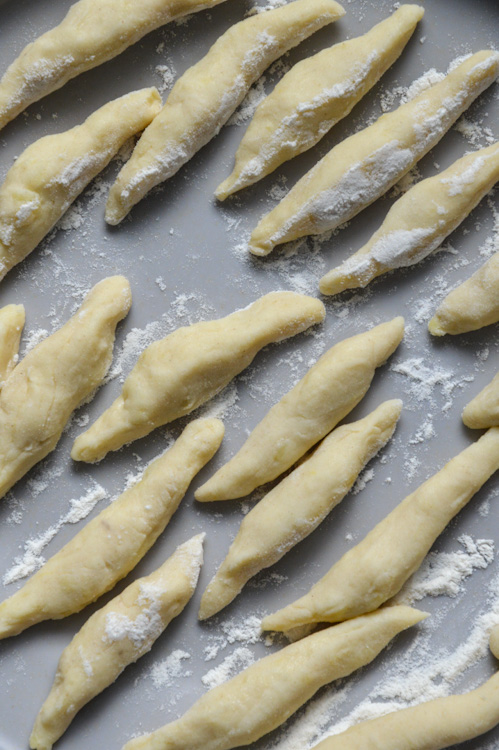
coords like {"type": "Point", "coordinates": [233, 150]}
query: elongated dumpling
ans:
{"type": "Point", "coordinates": [204, 98]}
{"type": "Point", "coordinates": [434, 725]}
{"type": "Point", "coordinates": [112, 543]}
{"type": "Point", "coordinates": [329, 390]}
{"type": "Point", "coordinates": [375, 569]}
{"type": "Point", "coordinates": [472, 305]}
{"type": "Point", "coordinates": [116, 636]}
{"type": "Point", "coordinates": [265, 694]}
{"type": "Point", "coordinates": [419, 221]}
{"type": "Point", "coordinates": [483, 410]}
{"type": "Point", "coordinates": [177, 374]}
{"type": "Point", "coordinates": [54, 378]}
{"type": "Point", "coordinates": [293, 509]}
{"type": "Point", "coordinates": [92, 32]}
{"type": "Point", "coordinates": [315, 95]}
{"type": "Point", "coordinates": [11, 328]}
{"type": "Point", "coordinates": [52, 172]}
{"type": "Point", "coordinates": [364, 166]}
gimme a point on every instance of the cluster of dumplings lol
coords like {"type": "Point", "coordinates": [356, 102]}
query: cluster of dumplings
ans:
{"type": "Point", "coordinates": [347, 617]}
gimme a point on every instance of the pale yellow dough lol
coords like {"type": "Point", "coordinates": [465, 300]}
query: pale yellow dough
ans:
{"type": "Point", "coordinates": [55, 377]}
{"type": "Point", "coordinates": [472, 305]}
{"type": "Point", "coordinates": [483, 410]}
{"type": "Point", "coordinates": [206, 95]}
{"type": "Point", "coordinates": [434, 725]}
{"type": "Point", "coordinates": [375, 569]}
{"type": "Point", "coordinates": [53, 171]}
{"type": "Point", "coordinates": [265, 694]}
{"type": "Point", "coordinates": [293, 509]}
{"type": "Point", "coordinates": [11, 327]}
{"type": "Point", "coordinates": [92, 32]}
{"type": "Point", "coordinates": [112, 543]}
{"type": "Point", "coordinates": [419, 221]}
{"type": "Point", "coordinates": [329, 390]}
{"type": "Point", "coordinates": [314, 95]}
{"type": "Point", "coordinates": [364, 166]}
{"type": "Point", "coordinates": [116, 636]}
{"type": "Point", "coordinates": [177, 374]}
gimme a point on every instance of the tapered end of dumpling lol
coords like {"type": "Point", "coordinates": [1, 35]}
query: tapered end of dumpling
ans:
{"type": "Point", "coordinates": [219, 593]}
{"type": "Point", "coordinates": [336, 281]}
{"type": "Point", "coordinates": [109, 432]}
{"type": "Point", "coordinates": [226, 188]}
{"type": "Point", "coordinates": [436, 327]}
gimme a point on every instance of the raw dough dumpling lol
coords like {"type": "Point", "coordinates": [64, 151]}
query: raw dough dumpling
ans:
{"type": "Point", "coordinates": [364, 166]}
{"type": "Point", "coordinates": [293, 509]}
{"type": "Point", "coordinates": [113, 542]}
{"type": "Point", "coordinates": [55, 377]}
{"type": "Point", "coordinates": [314, 96]}
{"type": "Point", "coordinates": [92, 32]}
{"type": "Point", "coordinates": [375, 569]}
{"type": "Point", "coordinates": [419, 221]}
{"type": "Point", "coordinates": [114, 637]}
{"type": "Point", "coordinates": [329, 390]}
{"type": "Point", "coordinates": [437, 724]}
{"type": "Point", "coordinates": [206, 95]}
{"type": "Point", "coordinates": [483, 410]}
{"type": "Point", "coordinates": [264, 695]}
{"type": "Point", "coordinates": [11, 327]}
{"type": "Point", "coordinates": [472, 305]}
{"type": "Point", "coordinates": [48, 176]}
{"type": "Point", "coordinates": [177, 374]}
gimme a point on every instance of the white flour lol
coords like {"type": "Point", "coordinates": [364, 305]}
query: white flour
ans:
{"type": "Point", "coordinates": [32, 559]}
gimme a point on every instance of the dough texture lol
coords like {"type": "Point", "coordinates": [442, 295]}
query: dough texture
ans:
{"type": "Point", "coordinates": [265, 694]}
{"type": "Point", "coordinates": [364, 166]}
{"type": "Point", "coordinates": [293, 509]}
{"type": "Point", "coordinates": [113, 542]}
{"type": "Point", "coordinates": [114, 637]}
{"type": "Point", "coordinates": [314, 95]}
{"type": "Point", "coordinates": [472, 305]}
{"type": "Point", "coordinates": [419, 221]}
{"type": "Point", "coordinates": [375, 569]}
{"type": "Point", "coordinates": [205, 96]}
{"type": "Point", "coordinates": [92, 32]}
{"type": "Point", "coordinates": [53, 171]}
{"type": "Point", "coordinates": [177, 374]}
{"type": "Point", "coordinates": [55, 377]}
{"type": "Point", "coordinates": [434, 725]}
{"type": "Point", "coordinates": [11, 327]}
{"type": "Point", "coordinates": [321, 399]}
{"type": "Point", "coordinates": [483, 410]}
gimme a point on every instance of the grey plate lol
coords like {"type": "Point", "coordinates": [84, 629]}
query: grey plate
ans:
{"type": "Point", "coordinates": [180, 252]}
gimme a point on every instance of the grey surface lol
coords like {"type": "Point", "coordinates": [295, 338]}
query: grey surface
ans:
{"type": "Point", "coordinates": [199, 260]}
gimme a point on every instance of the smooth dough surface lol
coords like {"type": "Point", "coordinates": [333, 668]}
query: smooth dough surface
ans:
{"type": "Point", "coordinates": [92, 32]}
{"type": "Point", "coordinates": [483, 410]}
{"type": "Point", "coordinates": [113, 542]}
{"type": "Point", "coordinates": [329, 390]}
{"type": "Point", "coordinates": [12, 319]}
{"type": "Point", "coordinates": [419, 221]}
{"type": "Point", "coordinates": [53, 171]}
{"type": "Point", "coordinates": [177, 374]}
{"type": "Point", "coordinates": [375, 569]}
{"type": "Point", "coordinates": [472, 305]}
{"type": "Point", "coordinates": [265, 694]}
{"type": "Point", "coordinates": [434, 725]}
{"type": "Point", "coordinates": [55, 377]}
{"type": "Point", "coordinates": [364, 166]}
{"type": "Point", "coordinates": [314, 95]}
{"type": "Point", "coordinates": [293, 509]}
{"type": "Point", "coordinates": [116, 636]}
{"type": "Point", "coordinates": [205, 96]}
